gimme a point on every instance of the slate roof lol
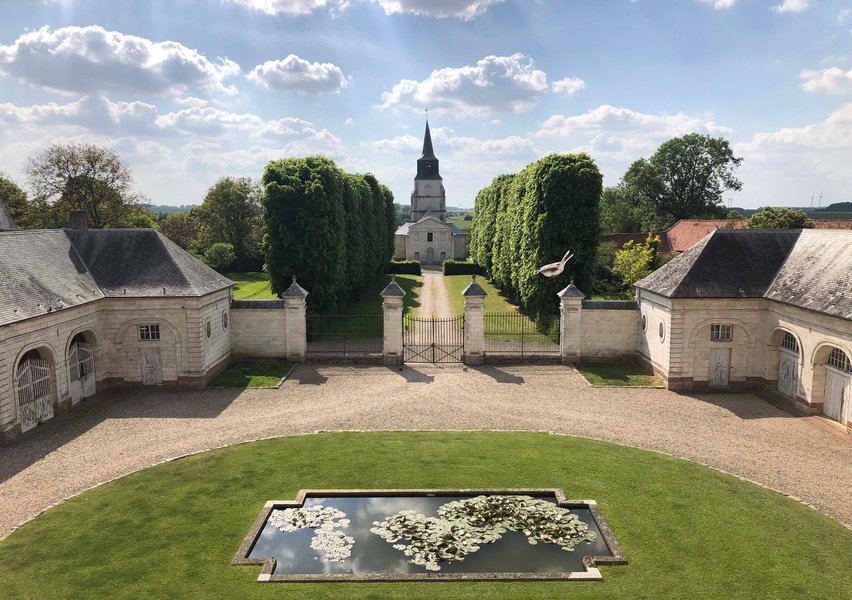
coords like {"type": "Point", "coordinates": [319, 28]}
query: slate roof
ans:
{"type": "Point", "coordinates": [59, 268]}
{"type": "Point", "coordinates": [404, 229]}
{"type": "Point", "coordinates": [807, 268]}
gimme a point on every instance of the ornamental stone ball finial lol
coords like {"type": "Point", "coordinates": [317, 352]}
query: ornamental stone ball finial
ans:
{"type": "Point", "coordinates": [294, 279]}
{"type": "Point", "coordinates": [393, 277]}
{"type": "Point", "coordinates": [473, 277]}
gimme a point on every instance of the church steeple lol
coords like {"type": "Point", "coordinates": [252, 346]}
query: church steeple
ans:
{"type": "Point", "coordinates": [427, 164]}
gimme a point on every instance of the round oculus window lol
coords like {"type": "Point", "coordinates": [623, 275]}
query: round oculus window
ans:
{"type": "Point", "coordinates": [662, 332]}
{"type": "Point", "coordinates": [644, 322]}
{"type": "Point", "coordinates": [208, 329]}
{"type": "Point", "coordinates": [225, 320]}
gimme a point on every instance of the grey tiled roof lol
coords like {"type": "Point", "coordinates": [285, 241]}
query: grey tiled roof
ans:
{"type": "Point", "coordinates": [40, 272]}
{"type": "Point", "coordinates": [141, 262]}
{"type": "Point", "coordinates": [429, 216]}
{"type": "Point", "coordinates": [54, 269]}
{"type": "Point", "coordinates": [809, 268]}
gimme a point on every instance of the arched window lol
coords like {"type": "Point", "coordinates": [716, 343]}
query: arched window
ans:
{"type": "Point", "coordinates": [789, 342]}
{"type": "Point", "coordinates": [839, 360]}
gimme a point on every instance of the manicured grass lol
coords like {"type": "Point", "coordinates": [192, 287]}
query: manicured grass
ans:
{"type": "Point", "coordinates": [251, 375]}
{"type": "Point", "coordinates": [171, 531]}
{"type": "Point", "coordinates": [495, 301]}
{"type": "Point", "coordinates": [370, 301]}
{"type": "Point", "coordinates": [617, 374]}
{"type": "Point", "coordinates": [251, 286]}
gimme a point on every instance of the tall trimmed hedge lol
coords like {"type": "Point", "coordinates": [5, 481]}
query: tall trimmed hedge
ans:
{"type": "Point", "coordinates": [524, 221]}
{"type": "Point", "coordinates": [332, 229]}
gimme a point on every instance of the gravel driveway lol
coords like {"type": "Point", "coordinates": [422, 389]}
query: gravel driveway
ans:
{"type": "Point", "coordinates": [122, 431]}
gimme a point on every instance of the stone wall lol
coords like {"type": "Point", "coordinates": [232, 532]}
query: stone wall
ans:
{"type": "Point", "coordinates": [609, 329]}
{"type": "Point", "coordinates": [259, 329]}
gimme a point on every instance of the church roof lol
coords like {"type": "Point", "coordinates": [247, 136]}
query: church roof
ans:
{"type": "Point", "coordinates": [427, 164]}
{"type": "Point", "coordinates": [807, 268]}
{"type": "Point", "coordinates": [428, 152]}
{"type": "Point", "coordinates": [405, 228]}
{"type": "Point", "coordinates": [50, 269]}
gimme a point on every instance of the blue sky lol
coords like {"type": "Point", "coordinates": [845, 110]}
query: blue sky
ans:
{"type": "Point", "coordinates": [188, 91]}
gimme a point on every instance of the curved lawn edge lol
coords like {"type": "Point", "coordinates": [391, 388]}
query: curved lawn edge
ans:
{"type": "Point", "coordinates": [323, 431]}
{"type": "Point", "coordinates": [172, 531]}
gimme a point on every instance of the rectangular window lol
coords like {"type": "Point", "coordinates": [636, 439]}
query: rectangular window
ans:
{"type": "Point", "coordinates": [429, 237]}
{"type": "Point", "coordinates": [149, 332]}
{"type": "Point", "coordinates": [721, 333]}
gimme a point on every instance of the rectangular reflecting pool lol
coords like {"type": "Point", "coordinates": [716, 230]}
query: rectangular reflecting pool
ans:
{"type": "Point", "coordinates": [388, 535]}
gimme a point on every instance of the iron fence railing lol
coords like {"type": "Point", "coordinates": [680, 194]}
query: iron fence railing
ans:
{"type": "Point", "coordinates": [512, 333]}
{"type": "Point", "coordinates": [344, 334]}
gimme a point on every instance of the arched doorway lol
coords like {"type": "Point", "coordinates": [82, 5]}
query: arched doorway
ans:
{"type": "Point", "coordinates": [81, 367]}
{"type": "Point", "coordinates": [34, 389]}
{"type": "Point", "coordinates": [430, 256]}
{"type": "Point", "coordinates": [837, 403]}
{"type": "Point", "coordinates": [788, 366]}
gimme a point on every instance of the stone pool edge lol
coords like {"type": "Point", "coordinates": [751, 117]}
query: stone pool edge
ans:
{"type": "Point", "coordinates": [591, 563]}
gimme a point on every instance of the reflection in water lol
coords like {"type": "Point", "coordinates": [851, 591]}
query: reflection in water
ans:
{"type": "Point", "coordinates": [371, 554]}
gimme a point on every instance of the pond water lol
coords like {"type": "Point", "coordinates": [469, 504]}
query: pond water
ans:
{"type": "Point", "coordinates": [510, 552]}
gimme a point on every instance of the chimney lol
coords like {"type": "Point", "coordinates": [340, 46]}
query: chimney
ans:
{"type": "Point", "coordinates": [79, 220]}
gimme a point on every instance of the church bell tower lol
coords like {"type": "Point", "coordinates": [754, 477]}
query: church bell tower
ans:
{"type": "Point", "coordinates": [428, 194]}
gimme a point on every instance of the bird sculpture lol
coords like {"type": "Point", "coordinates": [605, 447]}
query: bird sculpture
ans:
{"type": "Point", "coordinates": [554, 269]}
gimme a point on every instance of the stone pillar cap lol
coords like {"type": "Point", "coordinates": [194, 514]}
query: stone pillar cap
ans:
{"type": "Point", "coordinates": [473, 289]}
{"type": "Point", "coordinates": [393, 290]}
{"type": "Point", "coordinates": [295, 290]}
{"type": "Point", "coordinates": [572, 291]}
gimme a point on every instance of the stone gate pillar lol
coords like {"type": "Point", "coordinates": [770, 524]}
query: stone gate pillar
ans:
{"type": "Point", "coordinates": [295, 330]}
{"type": "Point", "coordinates": [474, 323]}
{"type": "Point", "coordinates": [571, 323]}
{"type": "Point", "coordinates": [392, 351]}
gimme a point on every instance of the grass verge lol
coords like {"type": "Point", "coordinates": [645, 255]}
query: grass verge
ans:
{"type": "Point", "coordinates": [622, 373]}
{"type": "Point", "coordinates": [171, 531]}
{"type": "Point", "coordinates": [495, 301]}
{"type": "Point", "coordinates": [251, 375]}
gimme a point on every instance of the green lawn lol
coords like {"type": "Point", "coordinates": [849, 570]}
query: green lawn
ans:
{"type": "Point", "coordinates": [495, 301]}
{"type": "Point", "coordinates": [251, 286]}
{"type": "Point", "coordinates": [171, 531]}
{"type": "Point", "coordinates": [370, 300]}
{"type": "Point", "coordinates": [617, 374]}
{"type": "Point", "coordinates": [251, 375]}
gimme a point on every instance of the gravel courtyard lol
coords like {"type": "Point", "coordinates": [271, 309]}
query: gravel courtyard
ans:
{"type": "Point", "coordinates": [119, 432]}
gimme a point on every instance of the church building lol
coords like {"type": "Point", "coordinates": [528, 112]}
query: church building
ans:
{"type": "Point", "coordinates": [427, 237]}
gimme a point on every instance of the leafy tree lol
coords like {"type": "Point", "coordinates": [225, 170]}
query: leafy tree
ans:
{"type": "Point", "coordinates": [183, 228]}
{"type": "Point", "coordinates": [402, 212]}
{"type": "Point", "coordinates": [532, 218]}
{"type": "Point", "coordinates": [232, 213]}
{"type": "Point", "coordinates": [334, 231]}
{"type": "Point", "coordinates": [779, 218]}
{"type": "Point", "coordinates": [14, 198]}
{"type": "Point", "coordinates": [605, 282]}
{"type": "Point", "coordinates": [85, 177]}
{"type": "Point", "coordinates": [220, 256]}
{"type": "Point", "coordinates": [633, 262]}
{"type": "Point", "coordinates": [686, 177]}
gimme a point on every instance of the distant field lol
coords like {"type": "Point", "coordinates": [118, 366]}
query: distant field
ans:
{"type": "Point", "coordinates": [457, 219]}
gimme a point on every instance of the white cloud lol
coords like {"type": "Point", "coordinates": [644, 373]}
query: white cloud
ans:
{"type": "Point", "coordinates": [294, 74]}
{"type": "Point", "coordinates": [452, 144]}
{"type": "Point", "coordinates": [791, 164]}
{"type": "Point", "coordinates": [569, 86]}
{"type": "Point", "coordinates": [792, 6]}
{"type": "Point", "coordinates": [622, 134]}
{"type": "Point", "coordinates": [830, 81]}
{"type": "Point", "coordinates": [91, 59]}
{"type": "Point", "coordinates": [92, 113]}
{"type": "Point", "coordinates": [843, 14]}
{"type": "Point", "coordinates": [495, 83]}
{"type": "Point", "coordinates": [291, 7]}
{"type": "Point", "coordinates": [464, 9]}
{"type": "Point", "coordinates": [719, 4]}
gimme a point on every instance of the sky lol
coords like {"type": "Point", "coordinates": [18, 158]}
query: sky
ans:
{"type": "Point", "coordinates": [189, 91]}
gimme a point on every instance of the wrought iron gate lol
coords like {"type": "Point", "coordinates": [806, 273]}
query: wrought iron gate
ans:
{"type": "Point", "coordinates": [433, 340]}
{"type": "Point", "coordinates": [32, 383]}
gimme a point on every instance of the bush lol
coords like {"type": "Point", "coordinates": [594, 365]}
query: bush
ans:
{"type": "Point", "coordinates": [220, 256]}
{"type": "Point", "coordinates": [462, 267]}
{"type": "Point", "coordinates": [403, 267]}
